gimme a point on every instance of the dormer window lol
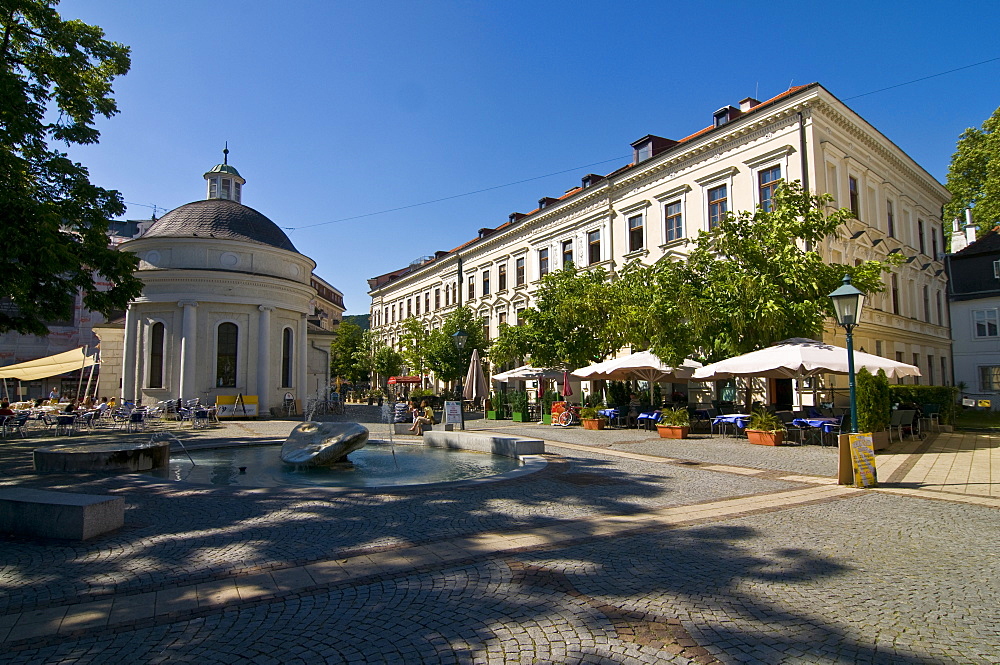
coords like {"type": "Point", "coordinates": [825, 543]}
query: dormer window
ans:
{"type": "Point", "coordinates": [725, 115]}
{"type": "Point", "coordinates": [650, 146]}
{"type": "Point", "coordinates": [644, 152]}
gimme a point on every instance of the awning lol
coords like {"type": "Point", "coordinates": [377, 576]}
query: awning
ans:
{"type": "Point", "coordinates": [42, 368]}
{"type": "Point", "coordinates": [404, 379]}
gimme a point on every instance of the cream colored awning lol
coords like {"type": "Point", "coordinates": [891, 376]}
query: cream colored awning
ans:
{"type": "Point", "coordinates": [42, 368]}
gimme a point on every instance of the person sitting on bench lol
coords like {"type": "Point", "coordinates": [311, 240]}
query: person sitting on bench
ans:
{"type": "Point", "coordinates": [420, 421]}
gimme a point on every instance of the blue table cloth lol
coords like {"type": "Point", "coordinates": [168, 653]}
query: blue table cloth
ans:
{"type": "Point", "coordinates": [828, 425]}
{"type": "Point", "coordinates": [739, 420]}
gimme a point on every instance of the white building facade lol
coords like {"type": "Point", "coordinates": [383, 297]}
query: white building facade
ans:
{"type": "Point", "coordinates": [225, 309]}
{"type": "Point", "coordinates": [656, 205]}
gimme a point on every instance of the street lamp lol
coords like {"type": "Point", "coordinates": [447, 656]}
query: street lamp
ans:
{"type": "Point", "coordinates": [847, 303]}
{"type": "Point", "coordinates": [459, 338]}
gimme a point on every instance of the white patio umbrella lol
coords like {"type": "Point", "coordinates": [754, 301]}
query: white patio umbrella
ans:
{"type": "Point", "coordinates": [527, 372]}
{"type": "Point", "coordinates": [797, 358]}
{"type": "Point", "coordinates": [641, 366]}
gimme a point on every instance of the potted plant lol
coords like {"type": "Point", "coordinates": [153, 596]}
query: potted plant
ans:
{"type": "Point", "coordinates": [674, 424]}
{"type": "Point", "coordinates": [519, 406]}
{"type": "Point", "coordinates": [874, 407]}
{"type": "Point", "coordinates": [491, 409]}
{"type": "Point", "coordinates": [765, 429]}
{"type": "Point", "coordinates": [590, 418]}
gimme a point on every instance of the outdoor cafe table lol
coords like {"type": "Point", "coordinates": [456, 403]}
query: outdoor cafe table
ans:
{"type": "Point", "coordinates": [827, 425]}
{"type": "Point", "coordinates": [610, 414]}
{"type": "Point", "coordinates": [738, 420]}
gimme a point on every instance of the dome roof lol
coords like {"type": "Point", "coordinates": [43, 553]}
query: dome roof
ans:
{"type": "Point", "coordinates": [221, 219]}
{"type": "Point", "coordinates": [225, 168]}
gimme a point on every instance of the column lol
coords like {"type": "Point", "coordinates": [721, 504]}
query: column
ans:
{"type": "Point", "coordinates": [189, 361]}
{"type": "Point", "coordinates": [302, 349]}
{"type": "Point", "coordinates": [264, 358]}
{"type": "Point", "coordinates": [129, 356]}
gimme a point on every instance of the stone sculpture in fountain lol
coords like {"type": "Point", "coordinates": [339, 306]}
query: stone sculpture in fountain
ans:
{"type": "Point", "coordinates": [320, 444]}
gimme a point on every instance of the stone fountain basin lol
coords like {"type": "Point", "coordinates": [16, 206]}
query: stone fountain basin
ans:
{"type": "Point", "coordinates": [103, 457]}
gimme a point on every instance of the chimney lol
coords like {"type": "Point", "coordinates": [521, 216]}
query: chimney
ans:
{"type": "Point", "coordinates": [747, 104]}
{"type": "Point", "coordinates": [970, 228]}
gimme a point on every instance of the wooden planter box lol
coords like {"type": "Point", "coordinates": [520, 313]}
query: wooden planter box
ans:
{"type": "Point", "coordinates": [762, 438]}
{"type": "Point", "coordinates": [673, 431]}
{"type": "Point", "coordinates": [519, 417]}
{"type": "Point", "coordinates": [593, 423]}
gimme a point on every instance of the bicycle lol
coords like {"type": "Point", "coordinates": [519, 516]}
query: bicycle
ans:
{"type": "Point", "coordinates": [571, 416]}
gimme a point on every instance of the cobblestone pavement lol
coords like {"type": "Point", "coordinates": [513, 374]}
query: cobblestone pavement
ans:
{"type": "Point", "coordinates": [624, 549]}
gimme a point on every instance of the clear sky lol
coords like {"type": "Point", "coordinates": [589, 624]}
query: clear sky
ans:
{"type": "Point", "coordinates": [335, 110]}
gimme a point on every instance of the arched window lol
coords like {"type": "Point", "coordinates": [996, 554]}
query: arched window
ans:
{"type": "Point", "coordinates": [156, 355]}
{"type": "Point", "coordinates": [225, 355]}
{"type": "Point", "coordinates": [286, 358]}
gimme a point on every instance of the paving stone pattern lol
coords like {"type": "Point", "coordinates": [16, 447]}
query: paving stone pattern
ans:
{"type": "Point", "coordinates": [555, 567]}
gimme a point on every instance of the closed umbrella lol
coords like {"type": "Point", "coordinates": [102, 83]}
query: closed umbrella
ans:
{"type": "Point", "coordinates": [475, 381]}
{"type": "Point", "coordinates": [567, 389]}
{"type": "Point", "coordinates": [798, 358]}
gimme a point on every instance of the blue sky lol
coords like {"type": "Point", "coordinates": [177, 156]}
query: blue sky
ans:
{"type": "Point", "coordinates": [335, 110]}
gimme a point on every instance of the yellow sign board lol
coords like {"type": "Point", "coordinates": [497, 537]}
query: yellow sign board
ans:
{"type": "Point", "coordinates": [236, 406]}
{"type": "Point", "coordinates": [863, 460]}
{"type": "Point", "coordinates": [984, 403]}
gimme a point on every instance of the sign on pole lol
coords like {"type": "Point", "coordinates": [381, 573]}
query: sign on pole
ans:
{"type": "Point", "coordinates": [863, 460]}
{"type": "Point", "coordinates": [453, 412]}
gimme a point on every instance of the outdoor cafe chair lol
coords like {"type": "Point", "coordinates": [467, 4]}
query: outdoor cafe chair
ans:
{"type": "Point", "coordinates": [66, 424]}
{"type": "Point", "coordinates": [901, 418]}
{"type": "Point", "coordinates": [15, 423]}
{"type": "Point", "coordinates": [786, 417]}
{"type": "Point", "coordinates": [932, 414]}
{"type": "Point", "coordinates": [136, 420]}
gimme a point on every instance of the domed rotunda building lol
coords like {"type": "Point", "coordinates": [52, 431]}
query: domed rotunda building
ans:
{"type": "Point", "coordinates": [224, 308]}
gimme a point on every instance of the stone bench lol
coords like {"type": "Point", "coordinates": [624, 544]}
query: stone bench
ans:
{"type": "Point", "coordinates": [404, 428]}
{"type": "Point", "coordinates": [31, 512]}
{"type": "Point", "coordinates": [508, 446]}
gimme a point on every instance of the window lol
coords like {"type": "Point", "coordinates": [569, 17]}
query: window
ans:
{"type": "Point", "coordinates": [916, 363]}
{"type": "Point", "coordinates": [930, 370]}
{"type": "Point", "coordinates": [878, 347]}
{"type": "Point", "coordinates": [286, 357]}
{"type": "Point", "coordinates": [927, 304]}
{"type": "Point", "coordinates": [890, 219]}
{"type": "Point", "coordinates": [895, 294]}
{"type": "Point", "coordinates": [852, 184]}
{"type": "Point", "coordinates": [472, 287]}
{"type": "Point", "coordinates": [213, 188]}
{"type": "Point", "coordinates": [409, 307]}
{"type": "Point", "coordinates": [567, 253]}
{"type": "Point", "coordinates": [225, 188]}
{"type": "Point", "coordinates": [944, 371]}
{"type": "Point", "coordinates": [520, 316]}
{"type": "Point", "coordinates": [225, 355]}
{"type": "Point", "coordinates": [996, 269]}
{"type": "Point", "coordinates": [156, 356]}
{"type": "Point", "coordinates": [427, 301]}
{"type": "Point", "coordinates": [437, 298]}
{"type": "Point", "coordinates": [501, 320]}
{"type": "Point", "coordinates": [502, 277]}
{"type": "Point", "coordinates": [486, 282]}
{"type": "Point", "coordinates": [985, 321]}
{"type": "Point", "coordinates": [717, 205]}
{"type": "Point", "coordinates": [767, 182]}
{"type": "Point", "coordinates": [934, 245]}
{"type": "Point", "coordinates": [519, 271]}
{"type": "Point", "coordinates": [920, 236]}
{"type": "Point", "coordinates": [543, 262]}
{"type": "Point", "coordinates": [594, 247]}
{"type": "Point", "coordinates": [937, 306]}
{"type": "Point", "coordinates": [416, 305]}
{"type": "Point", "coordinates": [989, 379]}
{"type": "Point", "coordinates": [386, 318]}
{"type": "Point", "coordinates": [635, 233]}
{"type": "Point", "coordinates": [486, 329]}
{"type": "Point", "coordinates": [675, 222]}
{"type": "Point", "coordinates": [394, 311]}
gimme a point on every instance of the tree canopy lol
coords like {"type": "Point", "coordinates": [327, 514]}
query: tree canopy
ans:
{"type": "Point", "coordinates": [750, 282]}
{"type": "Point", "coordinates": [345, 359]}
{"type": "Point", "coordinates": [974, 175]}
{"type": "Point", "coordinates": [55, 79]}
{"type": "Point", "coordinates": [569, 324]}
{"type": "Point", "coordinates": [442, 358]}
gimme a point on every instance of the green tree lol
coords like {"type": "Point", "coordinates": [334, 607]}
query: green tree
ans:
{"type": "Point", "coordinates": [447, 362]}
{"type": "Point", "coordinates": [748, 283]}
{"type": "Point", "coordinates": [344, 361]}
{"type": "Point", "coordinates": [55, 79]}
{"type": "Point", "coordinates": [569, 325]}
{"type": "Point", "coordinates": [374, 356]}
{"type": "Point", "coordinates": [413, 344]}
{"type": "Point", "coordinates": [974, 175]}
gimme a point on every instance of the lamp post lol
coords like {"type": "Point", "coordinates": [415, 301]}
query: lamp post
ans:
{"type": "Point", "coordinates": [847, 303]}
{"type": "Point", "coordinates": [459, 338]}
